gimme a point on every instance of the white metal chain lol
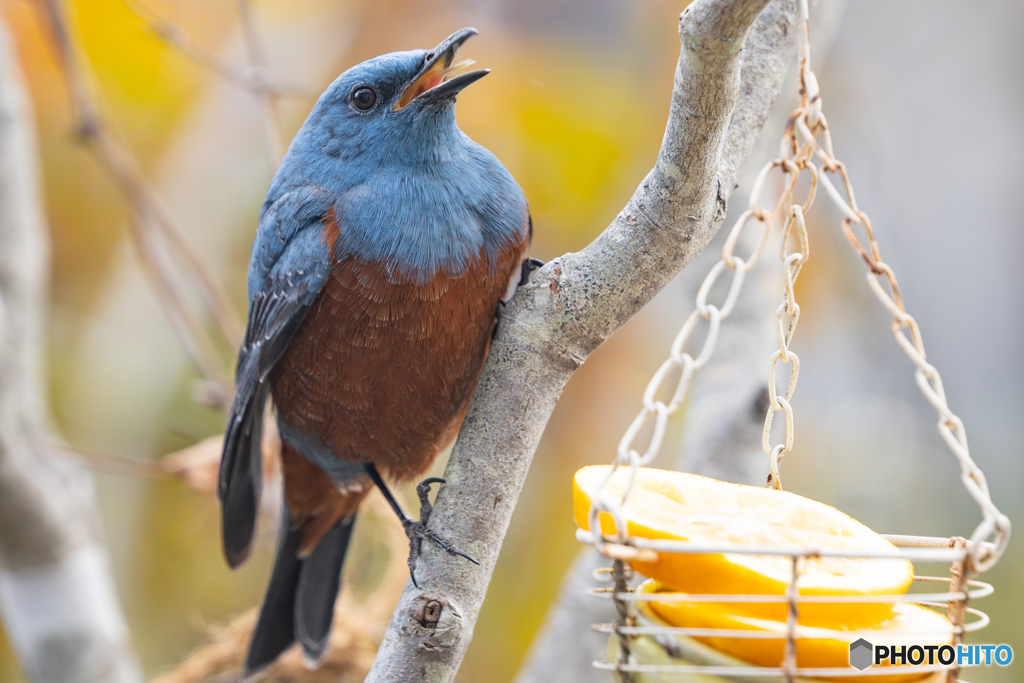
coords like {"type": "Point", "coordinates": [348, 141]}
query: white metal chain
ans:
{"type": "Point", "coordinates": [799, 157]}
{"type": "Point", "coordinates": [800, 145]}
{"type": "Point", "coordinates": [788, 313]}
{"type": "Point", "coordinates": [684, 362]}
{"type": "Point", "coordinates": [810, 125]}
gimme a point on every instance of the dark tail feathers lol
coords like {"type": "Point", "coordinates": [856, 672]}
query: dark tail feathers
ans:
{"type": "Point", "coordinates": [241, 475]}
{"type": "Point", "coordinates": [299, 604]}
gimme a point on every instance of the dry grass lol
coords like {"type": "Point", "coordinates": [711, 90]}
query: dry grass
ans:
{"type": "Point", "coordinates": [359, 623]}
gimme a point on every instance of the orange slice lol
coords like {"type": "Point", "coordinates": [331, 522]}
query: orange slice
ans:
{"type": "Point", "coordinates": [674, 505]}
{"type": "Point", "coordinates": [818, 647]}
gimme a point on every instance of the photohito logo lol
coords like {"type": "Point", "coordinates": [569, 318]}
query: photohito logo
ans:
{"type": "Point", "coordinates": [863, 654]}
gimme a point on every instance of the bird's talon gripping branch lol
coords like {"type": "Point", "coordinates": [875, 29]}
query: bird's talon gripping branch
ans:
{"type": "Point", "coordinates": [529, 267]}
{"type": "Point", "coordinates": [423, 491]}
{"type": "Point", "coordinates": [417, 531]}
{"type": "Point", "coordinates": [526, 269]}
{"type": "Point", "coordinates": [415, 547]}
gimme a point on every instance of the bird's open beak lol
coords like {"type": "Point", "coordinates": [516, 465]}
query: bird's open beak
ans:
{"type": "Point", "coordinates": [432, 83]}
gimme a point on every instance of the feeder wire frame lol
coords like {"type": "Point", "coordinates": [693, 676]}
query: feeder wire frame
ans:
{"type": "Point", "coordinates": [918, 548]}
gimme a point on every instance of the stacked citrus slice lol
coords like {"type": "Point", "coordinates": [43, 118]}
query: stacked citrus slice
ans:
{"type": "Point", "coordinates": [678, 506]}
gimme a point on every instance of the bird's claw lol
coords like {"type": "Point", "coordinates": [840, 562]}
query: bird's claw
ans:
{"type": "Point", "coordinates": [423, 492]}
{"type": "Point", "coordinates": [527, 269]}
{"type": "Point", "coordinates": [417, 531]}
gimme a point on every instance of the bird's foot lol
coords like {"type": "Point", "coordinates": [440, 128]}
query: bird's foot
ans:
{"type": "Point", "coordinates": [418, 532]}
{"type": "Point", "coordinates": [529, 266]}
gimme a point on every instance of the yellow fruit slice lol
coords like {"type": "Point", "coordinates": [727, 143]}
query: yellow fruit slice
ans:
{"type": "Point", "coordinates": [821, 647]}
{"type": "Point", "coordinates": [689, 652]}
{"type": "Point", "coordinates": [675, 505]}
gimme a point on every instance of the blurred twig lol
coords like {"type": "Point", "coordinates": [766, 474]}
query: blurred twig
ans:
{"type": "Point", "coordinates": [111, 464]}
{"type": "Point", "coordinates": [157, 238]}
{"type": "Point", "coordinates": [260, 74]}
{"type": "Point", "coordinates": [246, 79]}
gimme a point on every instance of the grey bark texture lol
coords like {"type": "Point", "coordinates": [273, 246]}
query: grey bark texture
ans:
{"type": "Point", "coordinates": [573, 304]}
{"type": "Point", "coordinates": [57, 598]}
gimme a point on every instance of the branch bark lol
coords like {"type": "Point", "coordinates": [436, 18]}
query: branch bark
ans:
{"type": "Point", "coordinates": [575, 303]}
{"type": "Point", "coordinates": [57, 598]}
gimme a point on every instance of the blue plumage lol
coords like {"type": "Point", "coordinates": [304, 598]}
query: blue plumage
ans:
{"type": "Point", "coordinates": [411, 189]}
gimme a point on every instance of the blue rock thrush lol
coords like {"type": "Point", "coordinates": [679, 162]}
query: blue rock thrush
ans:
{"type": "Point", "coordinates": [385, 245]}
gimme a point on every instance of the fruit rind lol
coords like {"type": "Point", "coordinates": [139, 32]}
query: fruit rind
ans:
{"type": "Point", "coordinates": [674, 505]}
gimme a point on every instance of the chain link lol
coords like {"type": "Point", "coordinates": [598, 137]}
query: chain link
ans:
{"type": "Point", "coordinates": [806, 137]}
{"type": "Point", "coordinates": [684, 362]}
{"type": "Point", "coordinates": [810, 125]}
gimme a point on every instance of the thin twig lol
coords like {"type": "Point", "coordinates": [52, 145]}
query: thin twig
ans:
{"type": "Point", "coordinates": [174, 37]}
{"type": "Point", "coordinates": [261, 79]}
{"type": "Point", "coordinates": [109, 464]}
{"type": "Point", "coordinates": [155, 234]}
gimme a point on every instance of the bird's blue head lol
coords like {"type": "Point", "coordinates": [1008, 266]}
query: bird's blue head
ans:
{"type": "Point", "coordinates": [407, 187]}
{"type": "Point", "coordinates": [396, 108]}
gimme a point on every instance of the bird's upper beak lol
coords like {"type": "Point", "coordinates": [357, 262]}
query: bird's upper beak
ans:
{"type": "Point", "coordinates": [431, 83]}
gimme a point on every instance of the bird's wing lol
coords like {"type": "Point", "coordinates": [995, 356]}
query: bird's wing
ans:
{"type": "Point", "coordinates": [290, 263]}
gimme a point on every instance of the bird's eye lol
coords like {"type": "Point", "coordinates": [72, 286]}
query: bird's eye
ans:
{"type": "Point", "coordinates": [364, 97]}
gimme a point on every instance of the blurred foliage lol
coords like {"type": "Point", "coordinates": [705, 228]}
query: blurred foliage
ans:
{"type": "Point", "coordinates": [575, 107]}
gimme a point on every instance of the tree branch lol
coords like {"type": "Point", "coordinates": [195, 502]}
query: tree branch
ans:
{"type": "Point", "coordinates": [724, 418]}
{"type": "Point", "coordinates": [574, 304]}
{"type": "Point", "coordinates": [57, 597]}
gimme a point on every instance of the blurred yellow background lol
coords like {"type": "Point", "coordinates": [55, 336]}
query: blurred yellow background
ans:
{"type": "Point", "coordinates": [575, 107]}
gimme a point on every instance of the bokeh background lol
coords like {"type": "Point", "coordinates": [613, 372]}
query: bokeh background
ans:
{"type": "Point", "coordinates": [924, 102]}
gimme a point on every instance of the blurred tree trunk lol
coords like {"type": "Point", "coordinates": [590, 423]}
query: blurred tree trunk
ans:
{"type": "Point", "coordinates": [58, 603]}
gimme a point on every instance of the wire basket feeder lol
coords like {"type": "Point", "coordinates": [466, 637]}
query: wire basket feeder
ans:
{"type": "Point", "coordinates": [806, 141]}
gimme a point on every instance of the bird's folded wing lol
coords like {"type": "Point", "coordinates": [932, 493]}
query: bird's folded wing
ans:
{"type": "Point", "coordinates": [290, 263]}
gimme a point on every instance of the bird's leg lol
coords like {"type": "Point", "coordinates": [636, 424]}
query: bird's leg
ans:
{"type": "Point", "coordinates": [417, 531]}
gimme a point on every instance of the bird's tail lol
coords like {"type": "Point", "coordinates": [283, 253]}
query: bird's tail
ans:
{"type": "Point", "coordinates": [299, 604]}
{"type": "Point", "coordinates": [241, 472]}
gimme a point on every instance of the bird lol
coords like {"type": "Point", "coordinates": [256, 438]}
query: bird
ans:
{"type": "Point", "coordinates": [386, 246]}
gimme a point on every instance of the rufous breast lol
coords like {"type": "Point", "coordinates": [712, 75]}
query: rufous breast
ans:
{"type": "Point", "coordinates": [382, 368]}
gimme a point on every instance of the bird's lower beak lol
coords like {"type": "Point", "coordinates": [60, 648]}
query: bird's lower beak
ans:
{"type": "Point", "coordinates": [432, 83]}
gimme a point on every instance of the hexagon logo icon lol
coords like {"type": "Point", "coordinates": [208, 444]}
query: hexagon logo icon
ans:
{"type": "Point", "coordinates": [861, 654]}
